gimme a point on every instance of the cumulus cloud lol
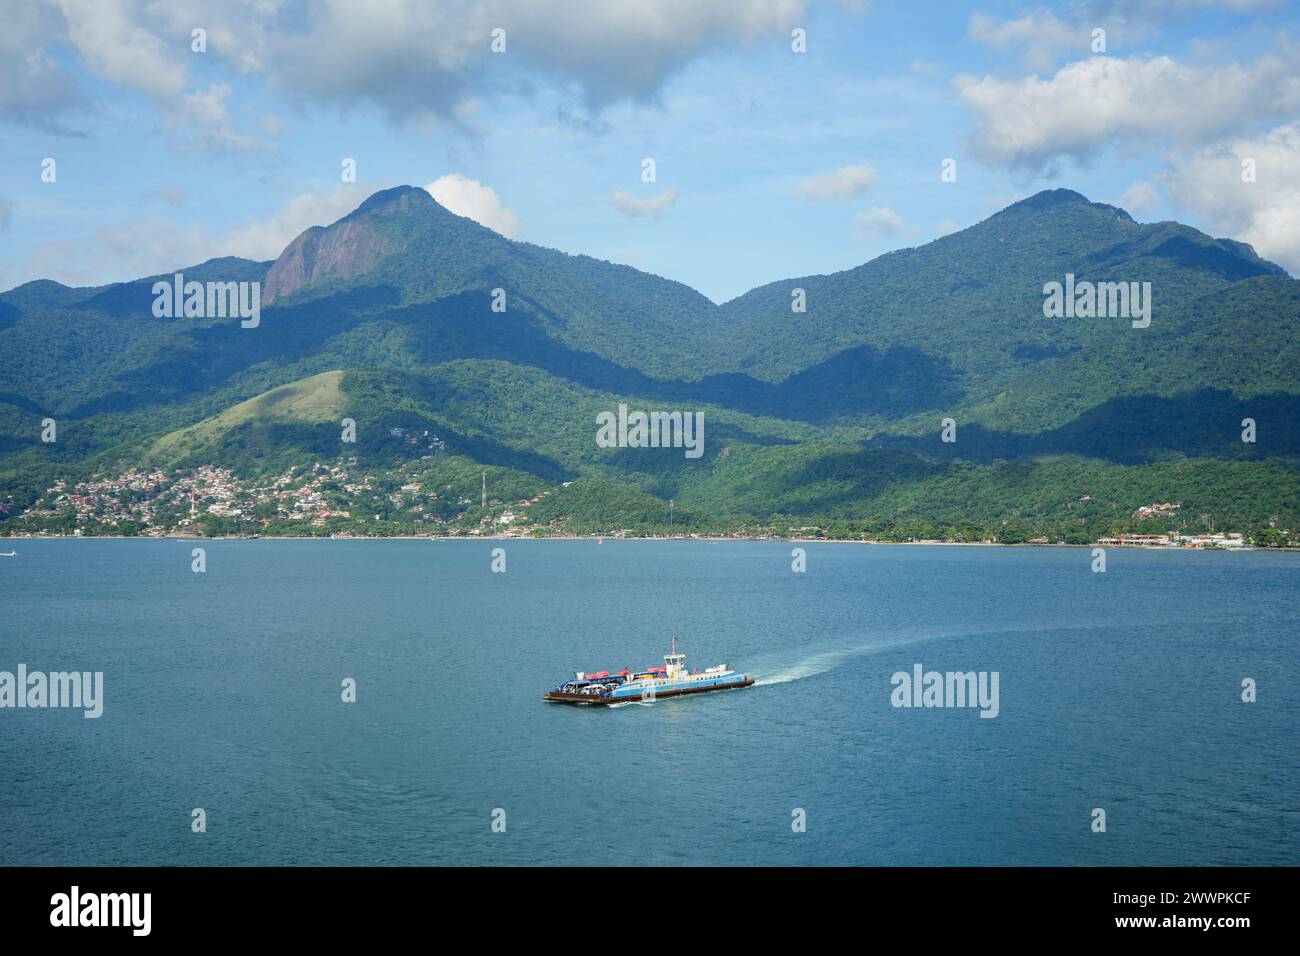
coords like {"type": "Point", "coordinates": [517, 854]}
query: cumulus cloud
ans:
{"type": "Point", "coordinates": [880, 221]}
{"type": "Point", "coordinates": [34, 90]}
{"type": "Point", "coordinates": [1105, 101]}
{"type": "Point", "coordinates": [120, 42]}
{"type": "Point", "coordinates": [843, 182]}
{"type": "Point", "coordinates": [116, 47]}
{"type": "Point", "coordinates": [1140, 197]}
{"type": "Point", "coordinates": [412, 60]}
{"type": "Point", "coordinates": [1043, 36]}
{"type": "Point", "coordinates": [207, 122]}
{"type": "Point", "coordinates": [266, 238]}
{"type": "Point", "coordinates": [635, 206]}
{"type": "Point", "coordinates": [627, 50]}
{"type": "Point", "coordinates": [1263, 213]}
{"type": "Point", "coordinates": [947, 227]}
{"type": "Point", "coordinates": [473, 200]}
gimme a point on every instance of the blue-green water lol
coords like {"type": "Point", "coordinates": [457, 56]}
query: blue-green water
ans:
{"type": "Point", "coordinates": [222, 691]}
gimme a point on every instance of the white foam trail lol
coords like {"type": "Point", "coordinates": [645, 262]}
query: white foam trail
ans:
{"type": "Point", "coordinates": [803, 669]}
{"type": "Point", "coordinates": [823, 661]}
{"type": "Point", "coordinates": [770, 669]}
{"type": "Point", "coordinates": [811, 666]}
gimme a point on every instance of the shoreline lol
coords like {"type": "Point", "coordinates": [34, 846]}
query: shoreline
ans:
{"type": "Point", "coordinates": [603, 538]}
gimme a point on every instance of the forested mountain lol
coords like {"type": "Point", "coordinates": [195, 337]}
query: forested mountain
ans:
{"type": "Point", "coordinates": [387, 317]}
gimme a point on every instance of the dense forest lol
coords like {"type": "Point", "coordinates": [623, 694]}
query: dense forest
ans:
{"type": "Point", "coordinates": [921, 395]}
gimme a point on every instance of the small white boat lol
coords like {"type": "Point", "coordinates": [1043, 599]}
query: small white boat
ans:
{"type": "Point", "coordinates": [8, 554]}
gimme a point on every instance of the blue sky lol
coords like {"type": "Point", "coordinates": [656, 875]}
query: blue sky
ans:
{"type": "Point", "coordinates": [769, 163]}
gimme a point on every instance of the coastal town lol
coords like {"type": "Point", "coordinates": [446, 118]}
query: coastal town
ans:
{"type": "Point", "coordinates": [421, 499]}
{"type": "Point", "coordinates": [319, 500]}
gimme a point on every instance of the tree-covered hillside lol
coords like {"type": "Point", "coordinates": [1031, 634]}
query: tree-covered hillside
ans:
{"type": "Point", "coordinates": [387, 318]}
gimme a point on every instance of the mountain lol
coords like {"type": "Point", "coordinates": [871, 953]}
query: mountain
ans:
{"type": "Point", "coordinates": [387, 317]}
{"type": "Point", "coordinates": [972, 303]}
{"type": "Point", "coordinates": [401, 249]}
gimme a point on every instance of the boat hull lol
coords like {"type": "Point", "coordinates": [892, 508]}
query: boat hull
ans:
{"type": "Point", "coordinates": [561, 697]}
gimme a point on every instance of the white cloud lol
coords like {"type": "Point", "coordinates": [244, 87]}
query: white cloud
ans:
{"type": "Point", "coordinates": [121, 42]}
{"type": "Point", "coordinates": [631, 205]}
{"type": "Point", "coordinates": [419, 63]}
{"type": "Point", "coordinates": [1043, 36]}
{"type": "Point", "coordinates": [1264, 213]}
{"type": "Point", "coordinates": [34, 90]}
{"type": "Point", "coordinates": [204, 112]}
{"type": "Point", "coordinates": [413, 60]}
{"type": "Point", "coordinates": [843, 182]}
{"type": "Point", "coordinates": [1108, 101]}
{"type": "Point", "coordinates": [1140, 197]}
{"type": "Point", "coordinates": [473, 200]}
{"type": "Point", "coordinates": [266, 238]}
{"type": "Point", "coordinates": [947, 227]}
{"type": "Point", "coordinates": [627, 50]}
{"type": "Point", "coordinates": [880, 221]}
{"type": "Point", "coordinates": [116, 47]}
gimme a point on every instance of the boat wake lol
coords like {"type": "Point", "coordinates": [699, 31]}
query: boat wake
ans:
{"type": "Point", "coordinates": [823, 660]}
{"type": "Point", "coordinates": [810, 666]}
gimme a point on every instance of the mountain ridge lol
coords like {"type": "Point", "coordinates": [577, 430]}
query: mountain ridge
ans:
{"type": "Point", "coordinates": [395, 300]}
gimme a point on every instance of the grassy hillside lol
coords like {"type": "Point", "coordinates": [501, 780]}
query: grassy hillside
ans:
{"type": "Point", "coordinates": [311, 400]}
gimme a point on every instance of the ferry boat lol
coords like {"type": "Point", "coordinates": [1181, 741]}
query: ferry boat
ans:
{"type": "Point", "coordinates": [671, 680]}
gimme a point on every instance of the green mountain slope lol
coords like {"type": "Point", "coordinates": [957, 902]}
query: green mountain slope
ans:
{"type": "Point", "coordinates": [386, 317]}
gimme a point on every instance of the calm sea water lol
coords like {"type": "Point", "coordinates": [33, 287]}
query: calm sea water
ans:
{"type": "Point", "coordinates": [222, 691]}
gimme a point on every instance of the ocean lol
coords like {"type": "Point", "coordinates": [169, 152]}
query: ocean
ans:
{"type": "Point", "coordinates": [223, 691]}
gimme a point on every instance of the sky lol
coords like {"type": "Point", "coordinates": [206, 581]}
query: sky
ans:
{"type": "Point", "coordinates": [769, 162]}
